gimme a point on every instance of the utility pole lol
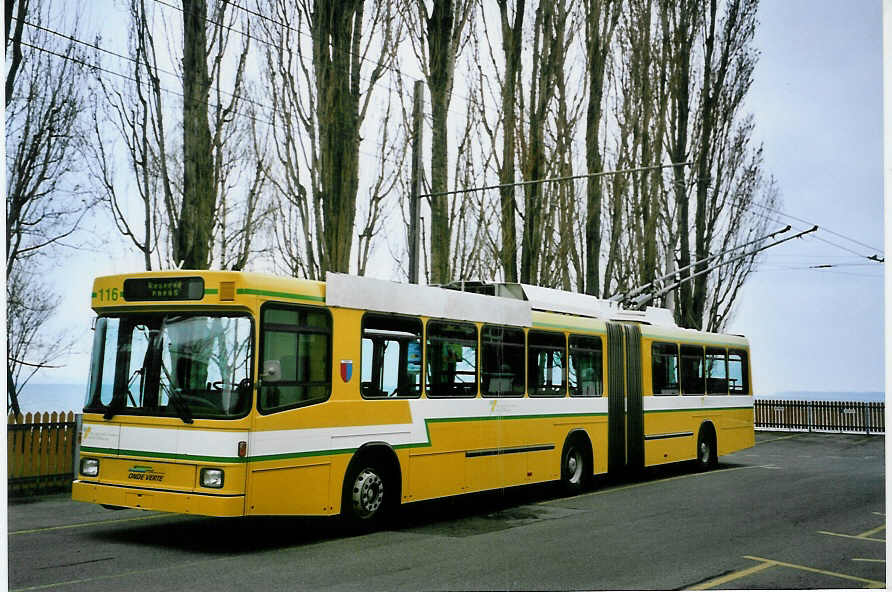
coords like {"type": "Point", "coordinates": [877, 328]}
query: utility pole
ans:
{"type": "Point", "coordinates": [415, 195]}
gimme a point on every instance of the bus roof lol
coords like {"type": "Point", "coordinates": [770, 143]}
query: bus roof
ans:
{"type": "Point", "coordinates": [490, 302]}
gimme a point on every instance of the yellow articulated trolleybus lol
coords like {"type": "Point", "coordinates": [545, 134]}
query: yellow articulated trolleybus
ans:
{"type": "Point", "coordinates": [235, 394]}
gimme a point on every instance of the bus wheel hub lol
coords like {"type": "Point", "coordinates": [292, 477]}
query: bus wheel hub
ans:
{"type": "Point", "coordinates": [368, 493]}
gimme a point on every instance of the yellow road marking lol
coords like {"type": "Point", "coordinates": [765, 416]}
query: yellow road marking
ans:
{"type": "Point", "coordinates": [776, 439]}
{"type": "Point", "coordinates": [634, 485]}
{"type": "Point", "coordinates": [872, 583]}
{"type": "Point", "coordinates": [869, 560]}
{"type": "Point", "coordinates": [84, 524]}
{"type": "Point", "coordinates": [732, 576]}
{"type": "Point", "coordinates": [851, 536]}
{"type": "Point", "coordinates": [872, 531]}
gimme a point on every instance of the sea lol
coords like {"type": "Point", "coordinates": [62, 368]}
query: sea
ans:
{"type": "Point", "coordinates": [49, 397]}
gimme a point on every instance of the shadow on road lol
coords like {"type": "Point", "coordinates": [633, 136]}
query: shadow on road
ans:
{"type": "Point", "coordinates": [457, 516]}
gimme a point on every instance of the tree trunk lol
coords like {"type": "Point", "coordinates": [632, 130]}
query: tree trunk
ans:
{"type": "Point", "coordinates": [681, 25]}
{"type": "Point", "coordinates": [600, 22]}
{"type": "Point", "coordinates": [196, 221]}
{"type": "Point", "coordinates": [337, 27]}
{"type": "Point", "coordinates": [512, 37]}
{"type": "Point", "coordinates": [441, 63]}
{"type": "Point", "coordinates": [541, 92]}
{"type": "Point", "coordinates": [16, 41]}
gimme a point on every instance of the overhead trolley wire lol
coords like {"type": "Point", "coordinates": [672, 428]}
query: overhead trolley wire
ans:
{"type": "Point", "coordinates": [837, 234]}
{"type": "Point", "coordinates": [554, 179]}
{"type": "Point", "coordinates": [299, 32]}
{"type": "Point", "coordinates": [766, 216]}
{"type": "Point", "coordinates": [250, 12]}
{"type": "Point", "coordinates": [376, 64]}
{"type": "Point", "coordinates": [130, 59]}
{"type": "Point", "coordinates": [256, 119]}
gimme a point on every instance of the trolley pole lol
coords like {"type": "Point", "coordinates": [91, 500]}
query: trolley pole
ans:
{"type": "Point", "coordinates": [414, 197]}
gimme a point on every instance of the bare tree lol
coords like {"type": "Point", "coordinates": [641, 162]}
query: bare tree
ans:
{"type": "Point", "coordinates": [512, 42]}
{"type": "Point", "coordinates": [564, 241]}
{"type": "Point", "coordinates": [393, 150]}
{"type": "Point", "coordinates": [243, 207]}
{"type": "Point", "coordinates": [601, 18]}
{"type": "Point", "coordinates": [437, 37]}
{"type": "Point", "coordinates": [681, 23]}
{"type": "Point", "coordinates": [30, 304]}
{"type": "Point", "coordinates": [141, 111]}
{"type": "Point", "coordinates": [546, 43]}
{"type": "Point", "coordinates": [135, 111]}
{"type": "Point", "coordinates": [45, 96]}
{"type": "Point", "coordinates": [315, 79]}
{"type": "Point", "coordinates": [729, 60]}
{"type": "Point", "coordinates": [14, 43]}
{"type": "Point", "coordinates": [196, 216]}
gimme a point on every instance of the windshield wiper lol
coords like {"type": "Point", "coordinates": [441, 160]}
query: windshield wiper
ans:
{"type": "Point", "coordinates": [124, 394]}
{"type": "Point", "coordinates": [180, 405]}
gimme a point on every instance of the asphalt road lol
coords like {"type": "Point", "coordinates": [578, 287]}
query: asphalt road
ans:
{"type": "Point", "coordinates": [795, 511]}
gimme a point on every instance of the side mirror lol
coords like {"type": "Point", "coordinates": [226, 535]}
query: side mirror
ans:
{"type": "Point", "coordinates": [272, 371]}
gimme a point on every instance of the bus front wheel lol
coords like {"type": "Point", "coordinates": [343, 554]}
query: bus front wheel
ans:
{"type": "Point", "coordinates": [365, 495]}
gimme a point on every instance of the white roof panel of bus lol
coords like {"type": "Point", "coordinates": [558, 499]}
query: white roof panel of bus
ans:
{"type": "Point", "coordinates": [350, 291]}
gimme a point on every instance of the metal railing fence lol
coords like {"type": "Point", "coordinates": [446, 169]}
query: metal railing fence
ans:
{"type": "Point", "coordinates": [821, 416]}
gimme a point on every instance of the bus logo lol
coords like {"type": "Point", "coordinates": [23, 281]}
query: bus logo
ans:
{"type": "Point", "coordinates": [139, 473]}
{"type": "Point", "coordinates": [346, 370]}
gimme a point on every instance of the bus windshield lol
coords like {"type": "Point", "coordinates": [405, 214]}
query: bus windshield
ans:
{"type": "Point", "coordinates": [179, 365]}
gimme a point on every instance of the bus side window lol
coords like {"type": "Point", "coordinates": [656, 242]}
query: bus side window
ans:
{"type": "Point", "coordinates": [502, 359]}
{"type": "Point", "coordinates": [586, 371]}
{"type": "Point", "coordinates": [547, 354]}
{"type": "Point", "coordinates": [451, 359]}
{"type": "Point", "coordinates": [300, 339]}
{"type": "Point", "coordinates": [391, 356]}
{"type": "Point", "coordinates": [738, 373]}
{"type": "Point", "coordinates": [716, 371]}
{"type": "Point", "coordinates": [693, 381]}
{"type": "Point", "coordinates": [664, 357]}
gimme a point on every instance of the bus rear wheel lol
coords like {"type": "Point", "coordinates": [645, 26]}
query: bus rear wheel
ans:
{"type": "Point", "coordinates": [574, 467]}
{"type": "Point", "coordinates": [365, 495]}
{"type": "Point", "coordinates": [706, 450]}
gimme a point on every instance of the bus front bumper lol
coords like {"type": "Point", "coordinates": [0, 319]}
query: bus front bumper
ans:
{"type": "Point", "coordinates": [162, 501]}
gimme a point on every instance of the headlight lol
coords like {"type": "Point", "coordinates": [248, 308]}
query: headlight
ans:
{"type": "Point", "coordinates": [212, 478]}
{"type": "Point", "coordinates": [89, 467]}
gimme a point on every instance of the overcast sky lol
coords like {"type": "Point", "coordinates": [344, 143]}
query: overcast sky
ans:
{"type": "Point", "coordinates": [817, 103]}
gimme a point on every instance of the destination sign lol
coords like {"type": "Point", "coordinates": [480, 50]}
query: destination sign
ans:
{"type": "Point", "coordinates": [186, 288]}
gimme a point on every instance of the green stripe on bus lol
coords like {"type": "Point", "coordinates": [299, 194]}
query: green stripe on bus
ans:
{"type": "Point", "coordinates": [92, 294]}
{"type": "Point", "coordinates": [210, 291]}
{"type": "Point", "coordinates": [312, 453]}
{"type": "Point", "coordinates": [289, 455]}
{"type": "Point", "coordinates": [164, 455]}
{"type": "Point", "coordinates": [280, 294]}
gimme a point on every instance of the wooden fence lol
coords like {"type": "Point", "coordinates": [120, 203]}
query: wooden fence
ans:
{"type": "Point", "coordinates": [40, 453]}
{"type": "Point", "coordinates": [821, 416]}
